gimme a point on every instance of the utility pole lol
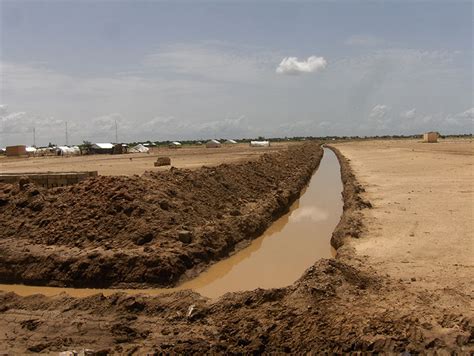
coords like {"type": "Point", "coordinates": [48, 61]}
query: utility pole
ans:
{"type": "Point", "coordinates": [67, 139]}
{"type": "Point", "coordinates": [34, 137]}
{"type": "Point", "coordinates": [116, 132]}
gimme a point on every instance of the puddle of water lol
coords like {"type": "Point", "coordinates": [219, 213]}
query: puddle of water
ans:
{"type": "Point", "coordinates": [276, 259]}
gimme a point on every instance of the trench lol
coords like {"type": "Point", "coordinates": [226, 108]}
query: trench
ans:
{"type": "Point", "coordinates": [275, 259]}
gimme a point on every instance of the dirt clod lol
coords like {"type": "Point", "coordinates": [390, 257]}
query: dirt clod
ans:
{"type": "Point", "coordinates": [185, 236]}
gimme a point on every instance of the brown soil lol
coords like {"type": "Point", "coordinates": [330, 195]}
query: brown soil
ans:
{"type": "Point", "coordinates": [152, 229]}
{"type": "Point", "coordinates": [333, 308]}
{"type": "Point", "coordinates": [338, 305]}
{"type": "Point", "coordinates": [351, 223]}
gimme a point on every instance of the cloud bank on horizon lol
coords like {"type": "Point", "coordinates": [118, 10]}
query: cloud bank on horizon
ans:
{"type": "Point", "coordinates": [223, 82]}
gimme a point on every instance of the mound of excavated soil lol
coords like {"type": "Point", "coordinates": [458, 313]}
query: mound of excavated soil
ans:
{"type": "Point", "coordinates": [124, 231]}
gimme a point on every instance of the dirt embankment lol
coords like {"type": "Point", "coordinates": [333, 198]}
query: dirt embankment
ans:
{"type": "Point", "coordinates": [147, 230]}
{"type": "Point", "coordinates": [338, 305]}
{"type": "Point", "coordinates": [351, 223]}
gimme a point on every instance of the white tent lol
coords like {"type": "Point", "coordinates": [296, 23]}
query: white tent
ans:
{"type": "Point", "coordinates": [213, 144]}
{"type": "Point", "coordinates": [139, 149]}
{"type": "Point", "coordinates": [68, 151]}
{"type": "Point", "coordinates": [46, 151]}
{"type": "Point", "coordinates": [259, 143]}
{"type": "Point", "coordinates": [231, 142]}
{"type": "Point", "coordinates": [174, 144]}
{"type": "Point", "coordinates": [30, 149]}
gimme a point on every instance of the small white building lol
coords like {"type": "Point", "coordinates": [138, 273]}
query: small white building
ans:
{"type": "Point", "coordinates": [259, 143]}
{"type": "Point", "coordinates": [30, 150]}
{"type": "Point", "coordinates": [68, 151]}
{"type": "Point", "coordinates": [102, 148]}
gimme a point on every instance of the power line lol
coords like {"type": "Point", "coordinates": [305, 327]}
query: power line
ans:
{"type": "Point", "coordinates": [67, 138]}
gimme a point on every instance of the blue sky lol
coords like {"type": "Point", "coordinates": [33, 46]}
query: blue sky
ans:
{"type": "Point", "coordinates": [167, 70]}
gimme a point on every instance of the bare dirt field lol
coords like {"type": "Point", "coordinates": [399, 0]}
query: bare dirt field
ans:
{"type": "Point", "coordinates": [421, 229]}
{"type": "Point", "coordinates": [190, 157]}
{"type": "Point", "coordinates": [401, 279]}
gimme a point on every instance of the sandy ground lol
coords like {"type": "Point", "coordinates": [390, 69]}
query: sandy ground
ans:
{"type": "Point", "coordinates": [421, 227]}
{"type": "Point", "coordinates": [128, 164]}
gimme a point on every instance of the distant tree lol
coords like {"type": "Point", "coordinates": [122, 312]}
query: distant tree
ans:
{"type": "Point", "coordinates": [86, 147]}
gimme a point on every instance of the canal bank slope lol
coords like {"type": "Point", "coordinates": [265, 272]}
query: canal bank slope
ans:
{"type": "Point", "coordinates": [338, 305]}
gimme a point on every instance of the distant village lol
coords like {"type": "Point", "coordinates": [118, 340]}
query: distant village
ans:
{"type": "Point", "coordinates": [89, 148]}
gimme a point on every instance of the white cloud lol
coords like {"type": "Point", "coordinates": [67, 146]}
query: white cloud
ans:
{"type": "Point", "coordinates": [409, 114]}
{"type": "Point", "coordinates": [163, 128]}
{"type": "Point", "coordinates": [172, 128]}
{"type": "Point", "coordinates": [158, 122]}
{"type": "Point", "coordinates": [15, 122]}
{"type": "Point", "coordinates": [465, 118]}
{"type": "Point", "coordinates": [379, 111]}
{"type": "Point", "coordinates": [379, 119]}
{"type": "Point", "coordinates": [102, 128]}
{"type": "Point", "coordinates": [107, 122]}
{"type": "Point", "coordinates": [230, 127]}
{"type": "Point", "coordinates": [18, 126]}
{"type": "Point", "coordinates": [363, 40]}
{"type": "Point", "coordinates": [291, 65]}
{"type": "Point", "coordinates": [3, 109]}
{"type": "Point", "coordinates": [468, 114]}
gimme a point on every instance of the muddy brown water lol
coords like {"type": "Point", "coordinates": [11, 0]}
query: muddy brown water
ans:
{"type": "Point", "coordinates": [275, 259]}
